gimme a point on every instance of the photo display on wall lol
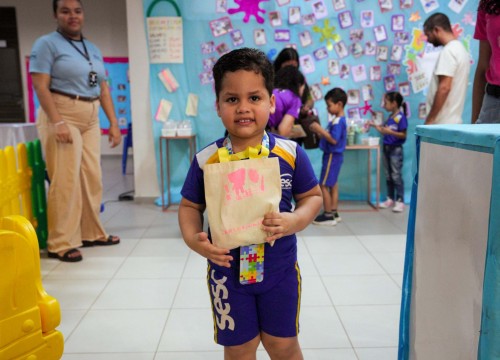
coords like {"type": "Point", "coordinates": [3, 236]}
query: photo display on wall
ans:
{"type": "Point", "coordinates": [346, 44]}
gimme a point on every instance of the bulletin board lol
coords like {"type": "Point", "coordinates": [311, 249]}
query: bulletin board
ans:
{"type": "Point", "coordinates": [366, 47]}
{"type": "Point", "coordinates": [117, 74]}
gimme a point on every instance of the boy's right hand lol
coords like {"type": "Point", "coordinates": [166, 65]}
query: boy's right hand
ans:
{"type": "Point", "coordinates": [205, 248]}
{"type": "Point", "coordinates": [315, 127]}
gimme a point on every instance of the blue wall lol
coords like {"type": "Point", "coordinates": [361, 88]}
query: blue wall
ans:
{"type": "Point", "coordinates": [197, 15]}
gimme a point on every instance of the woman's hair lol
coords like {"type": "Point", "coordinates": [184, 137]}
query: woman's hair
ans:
{"type": "Point", "coordinates": [243, 59]}
{"type": "Point", "coordinates": [289, 77]}
{"type": "Point", "coordinates": [55, 4]}
{"type": "Point", "coordinates": [398, 98]}
{"type": "Point", "coordinates": [491, 7]}
{"type": "Point", "coordinates": [285, 55]}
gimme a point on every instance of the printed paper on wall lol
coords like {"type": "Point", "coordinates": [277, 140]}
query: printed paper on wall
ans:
{"type": "Point", "coordinates": [165, 40]}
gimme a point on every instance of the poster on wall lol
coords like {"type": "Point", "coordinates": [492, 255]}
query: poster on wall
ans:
{"type": "Point", "coordinates": [165, 40]}
{"type": "Point", "coordinates": [117, 73]}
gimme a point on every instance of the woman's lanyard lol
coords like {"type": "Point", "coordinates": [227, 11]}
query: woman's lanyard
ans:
{"type": "Point", "coordinates": [92, 74]}
{"type": "Point", "coordinates": [251, 256]}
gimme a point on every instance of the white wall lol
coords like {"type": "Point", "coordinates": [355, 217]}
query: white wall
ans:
{"type": "Point", "coordinates": [106, 25]}
{"type": "Point", "coordinates": [35, 18]}
{"type": "Point", "coordinates": [146, 184]}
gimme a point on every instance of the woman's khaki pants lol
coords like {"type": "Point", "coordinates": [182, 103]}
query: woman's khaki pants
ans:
{"type": "Point", "coordinates": [75, 191]}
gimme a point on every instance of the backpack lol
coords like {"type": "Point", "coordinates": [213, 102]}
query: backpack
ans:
{"type": "Point", "coordinates": [311, 141]}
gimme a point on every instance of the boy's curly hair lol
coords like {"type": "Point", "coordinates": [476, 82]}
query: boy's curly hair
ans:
{"type": "Point", "coordinates": [243, 59]}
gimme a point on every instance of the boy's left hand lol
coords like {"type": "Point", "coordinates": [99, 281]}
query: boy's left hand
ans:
{"type": "Point", "coordinates": [277, 225]}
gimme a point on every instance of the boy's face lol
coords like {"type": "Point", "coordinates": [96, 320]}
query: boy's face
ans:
{"type": "Point", "coordinates": [244, 106]}
{"type": "Point", "coordinates": [334, 108]}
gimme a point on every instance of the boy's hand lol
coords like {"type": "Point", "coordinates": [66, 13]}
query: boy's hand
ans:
{"type": "Point", "coordinates": [277, 225]}
{"type": "Point", "coordinates": [315, 126]}
{"type": "Point", "coordinates": [205, 248]}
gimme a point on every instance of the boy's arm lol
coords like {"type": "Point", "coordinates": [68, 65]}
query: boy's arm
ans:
{"type": "Point", "coordinates": [307, 207]}
{"type": "Point", "coordinates": [191, 225]}
{"type": "Point", "coordinates": [315, 127]}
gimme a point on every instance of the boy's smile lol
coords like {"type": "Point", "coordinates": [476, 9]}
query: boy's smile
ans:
{"type": "Point", "coordinates": [244, 105]}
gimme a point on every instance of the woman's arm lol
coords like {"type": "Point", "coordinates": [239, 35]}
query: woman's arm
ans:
{"type": "Point", "coordinates": [41, 83]}
{"type": "Point", "coordinates": [483, 64]}
{"type": "Point", "coordinates": [285, 126]}
{"type": "Point", "coordinates": [114, 134]}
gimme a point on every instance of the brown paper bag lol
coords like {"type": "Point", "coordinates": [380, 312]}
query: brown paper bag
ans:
{"type": "Point", "coordinates": [238, 194]}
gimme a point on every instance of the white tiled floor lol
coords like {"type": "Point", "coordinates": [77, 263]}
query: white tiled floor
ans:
{"type": "Point", "coordinates": [146, 298]}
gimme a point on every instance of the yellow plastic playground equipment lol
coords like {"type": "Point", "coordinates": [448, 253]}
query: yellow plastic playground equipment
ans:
{"type": "Point", "coordinates": [22, 186]}
{"type": "Point", "coordinates": [28, 315]}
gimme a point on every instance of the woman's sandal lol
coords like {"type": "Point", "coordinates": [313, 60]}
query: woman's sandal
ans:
{"type": "Point", "coordinates": [66, 257]}
{"type": "Point", "coordinates": [111, 240]}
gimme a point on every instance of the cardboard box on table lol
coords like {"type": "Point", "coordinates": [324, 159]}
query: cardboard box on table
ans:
{"type": "Point", "coordinates": [451, 284]}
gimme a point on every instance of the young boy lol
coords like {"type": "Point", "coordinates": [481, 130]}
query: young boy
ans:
{"type": "Point", "coordinates": [267, 311]}
{"type": "Point", "coordinates": [332, 142]}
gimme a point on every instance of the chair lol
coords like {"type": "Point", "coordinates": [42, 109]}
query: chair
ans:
{"type": "Point", "coordinates": [127, 143]}
{"type": "Point", "coordinates": [28, 315]}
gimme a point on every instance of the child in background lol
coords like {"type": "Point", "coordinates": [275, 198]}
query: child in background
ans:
{"type": "Point", "coordinates": [332, 142]}
{"type": "Point", "coordinates": [289, 86]}
{"type": "Point", "coordinates": [290, 57]}
{"type": "Point", "coordinates": [267, 311]}
{"type": "Point", "coordinates": [394, 131]}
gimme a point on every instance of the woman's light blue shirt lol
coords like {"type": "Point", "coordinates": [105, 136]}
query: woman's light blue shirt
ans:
{"type": "Point", "coordinates": [69, 71]}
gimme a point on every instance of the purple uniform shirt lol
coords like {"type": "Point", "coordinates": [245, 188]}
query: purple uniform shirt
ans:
{"type": "Point", "coordinates": [396, 123]}
{"type": "Point", "coordinates": [286, 103]}
{"type": "Point", "coordinates": [241, 312]}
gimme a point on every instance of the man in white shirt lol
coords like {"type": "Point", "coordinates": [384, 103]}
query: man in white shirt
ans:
{"type": "Point", "coordinates": [446, 96]}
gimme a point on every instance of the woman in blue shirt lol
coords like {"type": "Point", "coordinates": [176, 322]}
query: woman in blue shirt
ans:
{"type": "Point", "coordinates": [70, 81]}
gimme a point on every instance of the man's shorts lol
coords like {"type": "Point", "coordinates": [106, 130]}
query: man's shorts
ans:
{"type": "Point", "coordinates": [241, 312]}
{"type": "Point", "coordinates": [331, 168]}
